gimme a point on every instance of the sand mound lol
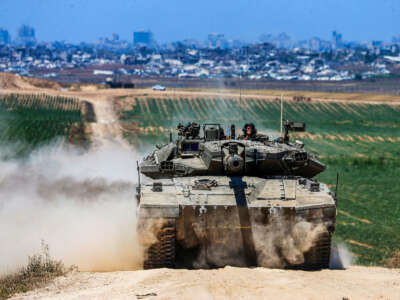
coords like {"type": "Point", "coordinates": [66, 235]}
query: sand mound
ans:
{"type": "Point", "coordinates": [12, 81]}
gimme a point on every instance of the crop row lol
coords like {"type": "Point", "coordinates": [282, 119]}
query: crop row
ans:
{"type": "Point", "coordinates": [40, 107]}
{"type": "Point", "coordinates": [30, 121]}
{"type": "Point", "coordinates": [320, 116]}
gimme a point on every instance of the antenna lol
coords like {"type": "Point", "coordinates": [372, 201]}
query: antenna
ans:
{"type": "Point", "coordinates": [138, 171]}
{"type": "Point", "coordinates": [281, 113]}
{"type": "Point", "coordinates": [240, 80]}
{"type": "Point", "coordinates": [240, 92]}
{"type": "Point", "coordinates": [337, 185]}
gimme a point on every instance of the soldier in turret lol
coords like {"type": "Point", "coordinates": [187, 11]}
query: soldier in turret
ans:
{"type": "Point", "coordinates": [249, 132]}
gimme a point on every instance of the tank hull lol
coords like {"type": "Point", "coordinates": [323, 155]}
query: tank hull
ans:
{"type": "Point", "coordinates": [238, 221]}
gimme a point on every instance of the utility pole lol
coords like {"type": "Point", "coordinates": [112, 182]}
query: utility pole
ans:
{"type": "Point", "coordinates": [240, 92]}
{"type": "Point", "coordinates": [281, 113]}
{"type": "Point", "coordinates": [240, 81]}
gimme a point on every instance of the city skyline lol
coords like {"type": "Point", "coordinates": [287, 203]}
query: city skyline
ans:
{"type": "Point", "coordinates": [88, 20]}
{"type": "Point", "coordinates": [27, 34]}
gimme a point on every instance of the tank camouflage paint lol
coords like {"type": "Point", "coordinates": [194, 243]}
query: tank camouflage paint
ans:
{"type": "Point", "coordinates": [215, 200]}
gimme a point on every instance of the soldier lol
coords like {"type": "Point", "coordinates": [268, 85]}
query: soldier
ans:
{"type": "Point", "coordinates": [249, 132]}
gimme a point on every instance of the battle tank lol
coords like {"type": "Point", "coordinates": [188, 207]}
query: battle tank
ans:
{"type": "Point", "coordinates": [213, 200]}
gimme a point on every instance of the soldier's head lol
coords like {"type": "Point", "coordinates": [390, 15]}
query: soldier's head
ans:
{"type": "Point", "coordinates": [249, 129]}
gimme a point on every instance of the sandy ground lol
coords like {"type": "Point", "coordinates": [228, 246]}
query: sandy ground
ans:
{"type": "Point", "coordinates": [226, 283]}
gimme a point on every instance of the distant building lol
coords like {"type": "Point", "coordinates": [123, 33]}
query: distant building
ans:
{"type": "Point", "coordinates": [191, 43]}
{"type": "Point", "coordinates": [266, 38]}
{"type": "Point", "coordinates": [396, 39]}
{"type": "Point", "coordinates": [4, 36]}
{"type": "Point", "coordinates": [282, 40]}
{"type": "Point", "coordinates": [236, 43]}
{"type": "Point", "coordinates": [337, 41]}
{"type": "Point", "coordinates": [315, 44]}
{"type": "Point", "coordinates": [115, 37]}
{"type": "Point", "coordinates": [377, 43]}
{"type": "Point", "coordinates": [217, 40]}
{"type": "Point", "coordinates": [26, 35]}
{"type": "Point", "coordinates": [143, 37]}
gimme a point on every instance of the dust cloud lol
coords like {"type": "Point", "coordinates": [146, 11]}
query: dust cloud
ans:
{"type": "Point", "coordinates": [82, 205]}
{"type": "Point", "coordinates": [281, 244]}
{"type": "Point", "coordinates": [341, 257]}
{"type": "Point", "coordinates": [278, 244]}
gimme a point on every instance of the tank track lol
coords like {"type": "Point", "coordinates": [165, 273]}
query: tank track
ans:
{"type": "Point", "coordinates": [162, 253]}
{"type": "Point", "coordinates": [318, 256]}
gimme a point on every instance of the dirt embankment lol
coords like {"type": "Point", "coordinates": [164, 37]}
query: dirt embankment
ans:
{"type": "Point", "coordinates": [226, 283]}
{"type": "Point", "coordinates": [11, 81]}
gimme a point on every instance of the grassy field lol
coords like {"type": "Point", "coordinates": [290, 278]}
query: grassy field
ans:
{"type": "Point", "coordinates": [30, 121]}
{"type": "Point", "coordinates": [361, 142]}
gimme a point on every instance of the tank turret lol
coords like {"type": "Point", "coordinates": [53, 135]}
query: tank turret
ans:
{"type": "Point", "coordinates": [218, 154]}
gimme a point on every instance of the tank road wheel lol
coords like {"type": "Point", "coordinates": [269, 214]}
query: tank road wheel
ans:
{"type": "Point", "coordinates": [162, 253]}
{"type": "Point", "coordinates": [318, 256]}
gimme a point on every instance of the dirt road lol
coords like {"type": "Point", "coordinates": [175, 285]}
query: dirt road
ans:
{"type": "Point", "coordinates": [226, 283]}
{"type": "Point", "coordinates": [106, 128]}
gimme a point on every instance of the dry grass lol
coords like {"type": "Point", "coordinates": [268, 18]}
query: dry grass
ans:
{"type": "Point", "coordinates": [394, 262]}
{"type": "Point", "coordinates": [40, 270]}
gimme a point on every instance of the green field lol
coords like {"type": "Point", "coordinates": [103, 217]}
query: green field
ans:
{"type": "Point", "coordinates": [30, 121]}
{"type": "Point", "coordinates": [361, 142]}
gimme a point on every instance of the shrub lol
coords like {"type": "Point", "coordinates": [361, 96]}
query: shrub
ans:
{"type": "Point", "coordinates": [39, 271]}
{"type": "Point", "coordinates": [394, 262]}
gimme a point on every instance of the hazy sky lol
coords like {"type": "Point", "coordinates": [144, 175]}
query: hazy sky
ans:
{"type": "Point", "coordinates": [170, 20]}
